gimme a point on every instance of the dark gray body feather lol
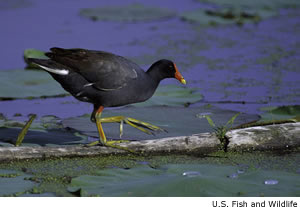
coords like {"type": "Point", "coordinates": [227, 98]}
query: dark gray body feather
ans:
{"type": "Point", "coordinates": [99, 77]}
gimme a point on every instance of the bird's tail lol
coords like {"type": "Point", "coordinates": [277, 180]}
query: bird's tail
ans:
{"type": "Point", "coordinates": [50, 66]}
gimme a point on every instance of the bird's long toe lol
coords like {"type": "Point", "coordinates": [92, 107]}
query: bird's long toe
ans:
{"type": "Point", "coordinates": [146, 125]}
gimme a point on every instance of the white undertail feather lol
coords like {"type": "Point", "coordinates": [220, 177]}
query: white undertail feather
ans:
{"type": "Point", "coordinates": [56, 71]}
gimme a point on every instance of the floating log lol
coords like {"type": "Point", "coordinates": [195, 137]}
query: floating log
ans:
{"type": "Point", "coordinates": [280, 136]}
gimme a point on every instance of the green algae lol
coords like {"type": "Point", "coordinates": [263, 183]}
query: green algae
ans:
{"type": "Point", "coordinates": [59, 176]}
{"type": "Point", "coordinates": [11, 175]}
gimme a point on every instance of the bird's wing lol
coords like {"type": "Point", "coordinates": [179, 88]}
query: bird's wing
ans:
{"type": "Point", "coordinates": [104, 71]}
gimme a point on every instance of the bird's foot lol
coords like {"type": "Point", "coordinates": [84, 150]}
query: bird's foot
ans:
{"type": "Point", "coordinates": [140, 125]}
{"type": "Point", "coordinates": [149, 126]}
{"type": "Point", "coordinates": [112, 143]}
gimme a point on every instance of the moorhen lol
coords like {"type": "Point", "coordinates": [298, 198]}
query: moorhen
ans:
{"type": "Point", "coordinates": [107, 80]}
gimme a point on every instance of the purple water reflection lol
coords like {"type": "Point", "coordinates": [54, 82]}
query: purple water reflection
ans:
{"type": "Point", "coordinates": [57, 23]}
{"type": "Point", "coordinates": [61, 107]}
{"type": "Point", "coordinates": [226, 63]}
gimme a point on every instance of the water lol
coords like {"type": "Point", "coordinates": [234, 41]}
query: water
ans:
{"type": "Point", "coordinates": [158, 175]}
{"type": "Point", "coordinates": [237, 68]}
{"type": "Point", "coordinates": [222, 63]}
{"type": "Point", "coordinates": [271, 182]}
{"type": "Point", "coordinates": [233, 176]}
{"type": "Point", "coordinates": [191, 174]}
{"type": "Point", "coordinates": [240, 171]}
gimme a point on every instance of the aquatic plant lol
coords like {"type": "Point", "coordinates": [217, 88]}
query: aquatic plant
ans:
{"type": "Point", "coordinates": [221, 130]}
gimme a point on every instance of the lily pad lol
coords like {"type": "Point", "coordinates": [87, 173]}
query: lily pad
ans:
{"type": "Point", "coordinates": [33, 53]}
{"type": "Point", "coordinates": [51, 122]}
{"type": "Point", "coordinates": [16, 84]}
{"type": "Point", "coordinates": [37, 138]}
{"type": "Point", "coordinates": [237, 11]}
{"type": "Point", "coordinates": [218, 16]}
{"type": "Point", "coordinates": [130, 13]}
{"type": "Point", "coordinates": [12, 182]}
{"type": "Point", "coordinates": [280, 113]}
{"type": "Point", "coordinates": [212, 180]}
{"type": "Point", "coordinates": [47, 132]}
{"type": "Point", "coordinates": [266, 4]}
{"type": "Point", "coordinates": [173, 119]}
{"type": "Point", "coordinates": [173, 95]}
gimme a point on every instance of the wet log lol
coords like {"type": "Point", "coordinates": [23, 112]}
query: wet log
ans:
{"type": "Point", "coordinates": [277, 136]}
{"type": "Point", "coordinates": [270, 137]}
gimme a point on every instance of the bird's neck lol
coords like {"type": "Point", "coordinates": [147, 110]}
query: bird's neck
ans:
{"type": "Point", "coordinates": [154, 73]}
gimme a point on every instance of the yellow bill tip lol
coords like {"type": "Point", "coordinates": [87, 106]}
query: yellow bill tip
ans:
{"type": "Point", "coordinates": [183, 81]}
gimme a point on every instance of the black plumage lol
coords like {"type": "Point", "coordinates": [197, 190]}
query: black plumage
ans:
{"type": "Point", "coordinates": [106, 80]}
{"type": "Point", "coordinates": [103, 78]}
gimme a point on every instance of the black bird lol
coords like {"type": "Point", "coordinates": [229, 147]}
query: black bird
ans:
{"type": "Point", "coordinates": [107, 80]}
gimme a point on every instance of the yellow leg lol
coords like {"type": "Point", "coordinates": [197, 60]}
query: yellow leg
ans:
{"type": "Point", "coordinates": [100, 129]}
{"type": "Point", "coordinates": [140, 125]}
{"type": "Point", "coordinates": [102, 137]}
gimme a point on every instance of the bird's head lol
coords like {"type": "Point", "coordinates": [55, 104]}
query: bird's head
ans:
{"type": "Point", "coordinates": [168, 69]}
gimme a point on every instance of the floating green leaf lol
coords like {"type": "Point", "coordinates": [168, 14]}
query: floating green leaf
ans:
{"type": "Point", "coordinates": [226, 16]}
{"type": "Point", "coordinates": [208, 180]}
{"type": "Point", "coordinates": [16, 84]}
{"type": "Point", "coordinates": [237, 11]}
{"type": "Point", "coordinates": [280, 113]}
{"type": "Point", "coordinates": [33, 53]}
{"type": "Point", "coordinates": [14, 183]}
{"type": "Point", "coordinates": [130, 13]}
{"type": "Point", "coordinates": [51, 122]}
{"type": "Point", "coordinates": [48, 131]}
{"type": "Point", "coordinates": [172, 95]}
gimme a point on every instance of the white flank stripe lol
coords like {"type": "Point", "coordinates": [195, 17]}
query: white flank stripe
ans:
{"type": "Point", "coordinates": [88, 84]}
{"type": "Point", "coordinates": [56, 71]}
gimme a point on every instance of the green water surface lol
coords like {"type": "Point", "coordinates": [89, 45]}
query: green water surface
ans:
{"type": "Point", "coordinates": [218, 174]}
